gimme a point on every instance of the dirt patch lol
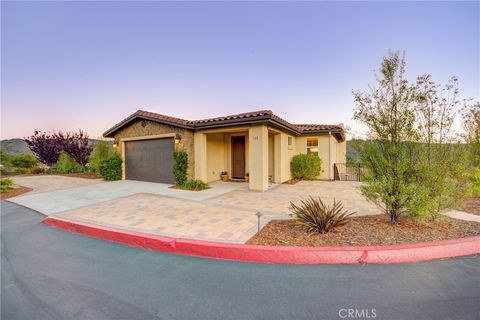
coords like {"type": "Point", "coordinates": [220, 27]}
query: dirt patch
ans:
{"type": "Point", "coordinates": [292, 181]}
{"type": "Point", "coordinates": [85, 175]}
{"type": "Point", "coordinates": [365, 231]}
{"type": "Point", "coordinates": [14, 192]}
{"type": "Point", "coordinates": [182, 188]}
{"type": "Point", "coordinates": [471, 205]}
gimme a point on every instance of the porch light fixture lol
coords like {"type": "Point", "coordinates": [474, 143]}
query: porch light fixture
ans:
{"type": "Point", "coordinates": [177, 138]}
{"type": "Point", "coordinates": [115, 144]}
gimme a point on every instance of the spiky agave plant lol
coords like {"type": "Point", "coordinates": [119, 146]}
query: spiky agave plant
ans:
{"type": "Point", "coordinates": [319, 217]}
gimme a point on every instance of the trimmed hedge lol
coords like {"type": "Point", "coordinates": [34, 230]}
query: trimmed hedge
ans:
{"type": "Point", "coordinates": [111, 168]}
{"type": "Point", "coordinates": [305, 166]}
{"type": "Point", "coordinates": [180, 166]}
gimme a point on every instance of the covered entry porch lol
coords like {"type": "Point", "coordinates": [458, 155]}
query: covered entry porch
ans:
{"type": "Point", "coordinates": [247, 153]}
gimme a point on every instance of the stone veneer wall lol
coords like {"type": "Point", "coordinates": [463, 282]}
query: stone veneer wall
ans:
{"type": "Point", "coordinates": [141, 128]}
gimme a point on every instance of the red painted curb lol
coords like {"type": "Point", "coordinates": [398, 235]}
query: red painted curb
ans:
{"type": "Point", "coordinates": [270, 254]}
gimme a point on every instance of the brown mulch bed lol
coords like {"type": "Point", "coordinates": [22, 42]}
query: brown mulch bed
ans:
{"type": "Point", "coordinates": [471, 205]}
{"type": "Point", "coordinates": [182, 188]}
{"type": "Point", "coordinates": [85, 175]}
{"type": "Point", "coordinates": [14, 192]}
{"type": "Point", "coordinates": [292, 181]}
{"type": "Point", "coordinates": [365, 231]}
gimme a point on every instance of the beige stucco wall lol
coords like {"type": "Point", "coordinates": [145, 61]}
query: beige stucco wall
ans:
{"type": "Point", "coordinates": [214, 149]}
{"type": "Point", "coordinates": [329, 149]}
{"type": "Point", "coordinates": [216, 159]}
{"type": "Point", "coordinates": [258, 155]}
{"type": "Point", "coordinates": [142, 129]}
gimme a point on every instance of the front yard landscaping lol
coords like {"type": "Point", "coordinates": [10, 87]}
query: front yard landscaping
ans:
{"type": "Point", "coordinates": [365, 231]}
{"type": "Point", "coordinates": [14, 192]}
{"type": "Point", "coordinates": [471, 205]}
{"type": "Point", "coordinates": [9, 190]}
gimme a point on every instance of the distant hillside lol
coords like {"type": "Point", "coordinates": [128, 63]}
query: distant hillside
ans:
{"type": "Point", "coordinates": [17, 146]}
{"type": "Point", "coordinates": [351, 153]}
{"type": "Point", "coordinates": [14, 146]}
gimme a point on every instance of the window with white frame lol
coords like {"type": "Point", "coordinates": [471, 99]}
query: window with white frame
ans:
{"type": "Point", "coordinates": [290, 141]}
{"type": "Point", "coordinates": [312, 146]}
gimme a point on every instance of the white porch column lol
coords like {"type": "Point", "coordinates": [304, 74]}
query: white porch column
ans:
{"type": "Point", "coordinates": [200, 155]}
{"type": "Point", "coordinates": [281, 161]}
{"type": "Point", "coordinates": [258, 158]}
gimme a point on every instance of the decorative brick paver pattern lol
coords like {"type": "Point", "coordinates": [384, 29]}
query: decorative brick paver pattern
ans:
{"type": "Point", "coordinates": [172, 218]}
{"type": "Point", "coordinates": [229, 217]}
{"type": "Point", "coordinates": [277, 200]}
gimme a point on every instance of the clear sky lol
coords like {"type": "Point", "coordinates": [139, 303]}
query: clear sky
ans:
{"type": "Point", "coordinates": [70, 65]}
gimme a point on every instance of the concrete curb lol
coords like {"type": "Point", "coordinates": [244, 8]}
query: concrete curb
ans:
{"type": "Point", "coordinates": [269, 254]}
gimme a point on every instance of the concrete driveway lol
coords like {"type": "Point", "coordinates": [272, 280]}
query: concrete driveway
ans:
{"type": "Point", "coordinates": [225, 213]}
{"type": "Point", "coordinates": [55, 194]}
{"type": "Point", "coordinates": [47, 183]}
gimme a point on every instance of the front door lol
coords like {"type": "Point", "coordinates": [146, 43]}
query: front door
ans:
{"type": "Point", "coordinates": [238, 157]}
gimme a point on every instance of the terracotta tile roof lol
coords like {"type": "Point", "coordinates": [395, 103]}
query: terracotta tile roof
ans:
{"type": "Point", "coordinates": [157, 116]}
{"type": "Point", "coordinates": [261, 115]}
{"type": "Point", "coordinates": [245, 115]}
{"type": "Point", "coordinates": [318, 127]}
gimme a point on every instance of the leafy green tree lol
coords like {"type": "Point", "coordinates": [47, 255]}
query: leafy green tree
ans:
{"type": "Point", "coordinates": [102, 150]}
{"type": "Point", "coordinates": [471, 123]}
{"type": "Point", "coordinates": [443, 160]}
{"type": "Point", "coordinates": [66, 164]}
{"type": "Point", "coordinates": [389, 154]}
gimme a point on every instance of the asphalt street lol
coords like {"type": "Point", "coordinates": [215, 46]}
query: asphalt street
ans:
{"type": "Point", "coordinates": [50, 274]}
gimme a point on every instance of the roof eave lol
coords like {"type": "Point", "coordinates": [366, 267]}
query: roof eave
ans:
{"type": "Point", "coordinates": [110, 132]}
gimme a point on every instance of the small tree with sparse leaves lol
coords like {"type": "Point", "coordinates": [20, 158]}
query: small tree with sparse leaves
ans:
{"type": "Point", "coordinates": [389, 155]}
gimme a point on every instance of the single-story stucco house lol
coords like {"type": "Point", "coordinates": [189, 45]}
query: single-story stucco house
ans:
{"type": "Point", "coordinates": [256, 144]}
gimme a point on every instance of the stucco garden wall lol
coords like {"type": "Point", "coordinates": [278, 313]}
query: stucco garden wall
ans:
{"type": "Point", "coordinates": [145, 128]}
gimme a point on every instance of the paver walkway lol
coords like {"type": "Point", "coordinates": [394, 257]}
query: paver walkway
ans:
{"type": "Point", "coordinates": [228, 217]}
{"type": "Point", "coordinates": [172, 217]}
{"type": "Point", "coordinates": [277, 200]}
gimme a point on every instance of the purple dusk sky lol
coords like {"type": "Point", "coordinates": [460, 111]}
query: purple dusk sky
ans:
{"type": "Point", "coordinates": [70, 65]}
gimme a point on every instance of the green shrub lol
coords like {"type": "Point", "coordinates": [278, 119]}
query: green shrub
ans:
{"type": "Point", "coordinates": [318, 217]}
{"type": "Point", "coordinates": [6, 185]}
{"type": "Point", "coordinates": [180, 166]}
{"type": "Point", "coordinates": [24, 160]}
{"type": "Point", "coordinates": [20, 171]}
{"type": "Point", "coordinates": [195, 185]}
{"type": "Point", "coordinates": [305, 166]}
{"type": "Point", "coordinates": [5, 157]}
{"type": "Point", "coordinates": [37, 170]}
{"type": "Point", "coordinates": [66, 164]}
{"type": "Point", "coordinates": [101, 151]}
{"type": "Point", "coordinates": [6, 171]}
{"type": "Point", "coordinates": [474, 185]}
{"type": "Point", "coordinates": [111, 167]}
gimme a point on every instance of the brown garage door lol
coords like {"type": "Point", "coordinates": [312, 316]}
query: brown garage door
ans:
{"type": "Point", "coordinates": [149, 160]}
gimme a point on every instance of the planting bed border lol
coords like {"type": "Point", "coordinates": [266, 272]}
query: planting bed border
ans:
{"type": "Point", "coordinates": [390, 254]}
